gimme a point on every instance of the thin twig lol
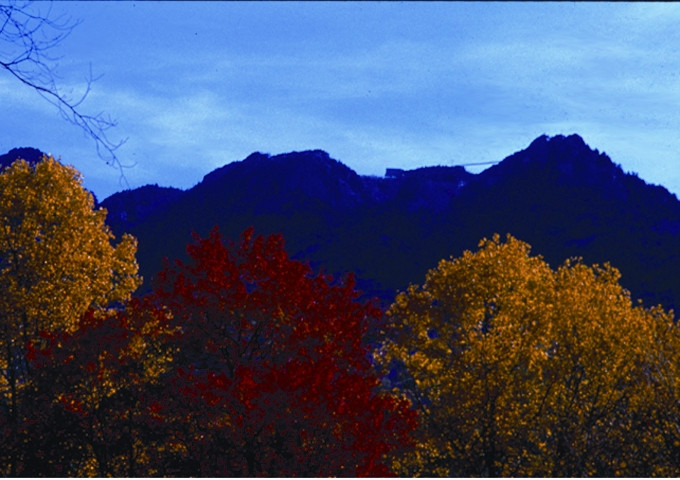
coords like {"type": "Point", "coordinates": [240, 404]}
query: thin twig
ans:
{"type": "Point", "coordinates": [28, 38]}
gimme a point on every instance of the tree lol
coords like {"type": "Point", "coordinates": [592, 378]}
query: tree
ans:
{"type": "Point", "coordinates": [57, 260]}
{"type": "Point", "coordinates": [271, 374]}
{"type": "Point", "coordinates": [521, 370]}
{"type": "Point", "coordinates": [28, 36]}
{"type": "Point", "coordinates": [95, 395]}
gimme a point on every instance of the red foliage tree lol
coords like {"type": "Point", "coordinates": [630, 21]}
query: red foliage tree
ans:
{"type": "Point", "coordinates": [94, 396]}
{"type": "Point", "coordinates": [272, 376]}
{"type": "Point", "coordinates": [242, 362]}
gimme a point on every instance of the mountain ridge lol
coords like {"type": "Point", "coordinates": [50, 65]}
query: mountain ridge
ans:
{"type": "Point", "coordinates": [558, 194]}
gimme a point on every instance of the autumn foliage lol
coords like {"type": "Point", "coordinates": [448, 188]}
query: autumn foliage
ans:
{"type": "Point", "coordinates": [521, 370]}
{"type": "Point", "coordinates": [57, 259]}
{"type": "Point", "coordinates": [272, 376]}
{"type": "Point", "coordinates": [96, 393]}
{"type": "Point", "coordinates": [244, 362]}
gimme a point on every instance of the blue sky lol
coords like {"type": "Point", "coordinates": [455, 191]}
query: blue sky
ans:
{"type": "Point", "coordinates": [195, 85]}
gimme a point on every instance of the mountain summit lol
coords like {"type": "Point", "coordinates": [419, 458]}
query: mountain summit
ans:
{"type": "Point", "coordinates": [558, 194]}
{"type": "Point", "coordinates": [567, 156]}
{"type": "Point", "coordinates": [31, 155]}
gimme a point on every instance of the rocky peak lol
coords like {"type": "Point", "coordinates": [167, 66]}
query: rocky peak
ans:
{"type": "Point", "coordinates": [30, 154]}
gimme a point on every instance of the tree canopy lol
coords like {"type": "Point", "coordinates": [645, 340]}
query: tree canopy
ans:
{"type": "Point", "coordinates": [244, 362]}
{"type": "Point", "coordinates": [274, 359]}
{"type": "Point", "coordinates": [241, 363]}
{"type": "Point", "coordinates": [521, 370]}
{"type": "Point", "coordinates": [57, 260]}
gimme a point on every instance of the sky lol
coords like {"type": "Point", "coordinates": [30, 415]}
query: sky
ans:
{"type": "Point", "coordinates": [196, 85]}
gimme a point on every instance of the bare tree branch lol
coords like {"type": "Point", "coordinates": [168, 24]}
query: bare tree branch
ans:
{"type": "Point", "coordinates": [26, 39]}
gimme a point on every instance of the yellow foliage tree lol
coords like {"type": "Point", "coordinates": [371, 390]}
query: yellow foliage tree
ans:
{"type": "Point", "coordinates": [521, 370]}
{"type": "Point", "coordinates": [57, 260]}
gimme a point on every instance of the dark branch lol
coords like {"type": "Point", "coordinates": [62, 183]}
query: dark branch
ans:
{"type": "Point", "coordinates": [25, 41]}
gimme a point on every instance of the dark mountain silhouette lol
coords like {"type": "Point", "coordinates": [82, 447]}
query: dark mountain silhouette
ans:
{"type": "Point", "coordinates": [568, 200]}
{"type": "Point", "coordinates": [328, 214]}
{"type": "Point", "coordinates": [559, 195]}
{"type": "Point", "coordinates": [31, 155]}
{"type": "Point", "coordinates": [131, 208]}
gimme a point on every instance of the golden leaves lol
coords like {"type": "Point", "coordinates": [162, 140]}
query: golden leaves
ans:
{"type": "Point", "coordinates": [56, 255]}
{"type": "Point", "coordinates": [523, 370]}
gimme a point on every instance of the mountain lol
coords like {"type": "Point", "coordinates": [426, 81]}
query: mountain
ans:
{"type": "Point", "coordinates": [30, 154]}
{"type": "Point", "coordinates": [567, 200]}
{"type": "Point", "coordinates": [558, 194]}
{"type": "Point", "coordinates": [131, 208]}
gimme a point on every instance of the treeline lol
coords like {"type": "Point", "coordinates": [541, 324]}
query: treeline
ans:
{"type": "Point", "coordinates": [244, 362]}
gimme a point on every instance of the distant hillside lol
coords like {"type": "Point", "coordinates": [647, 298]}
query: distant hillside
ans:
{"type": "Point", "coordinates": [568, 200]}
{"type": "Point", "coordinates": [559, 195]}
{"type": "Point", "coordinates": [31, 155]}
{"type": "Point", "coordinates": [130, 208]}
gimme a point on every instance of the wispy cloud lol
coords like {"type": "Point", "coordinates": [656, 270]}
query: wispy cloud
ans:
{"type": "Point", "coordinates": [375, 84]}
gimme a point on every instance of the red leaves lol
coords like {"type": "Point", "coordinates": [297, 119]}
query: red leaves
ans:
{"type": "Point", "coordinates": [241, 363]}
{"type": "Point", "coordinates": [95, 390]}
{"type": "Point", "coordinates": [72, 404]}
{"type": "Point", "coordinates": [285, 344]}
